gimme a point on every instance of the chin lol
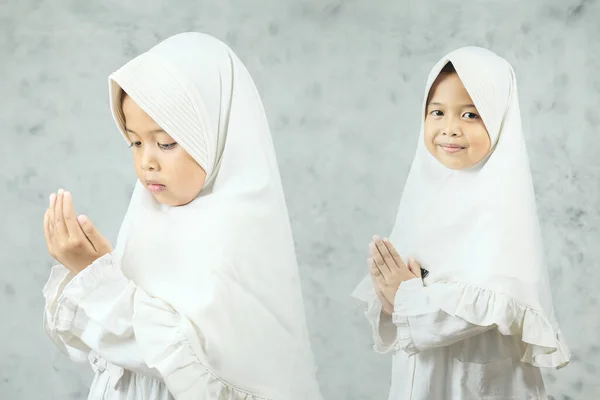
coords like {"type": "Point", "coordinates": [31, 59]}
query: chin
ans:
{"type": "Point", "coordinates": [452, 166]}
{"type": "Point", "coordinates": [161, 198]}
{"type": "Point", "coordinates": [456, 167]}
{"type": "Point", "coordinates": [171, 202]}
{"type": "Point", "coordinates": [452, 163]}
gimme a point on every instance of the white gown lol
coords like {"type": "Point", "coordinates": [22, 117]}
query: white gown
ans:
{"type": "Point", "coordinates": [482, 323]}
{"type": "Point", "coordinates": [440, 356]}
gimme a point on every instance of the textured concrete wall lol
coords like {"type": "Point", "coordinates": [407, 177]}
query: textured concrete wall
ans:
{"type": "Point", "coordinates": [342, 83]}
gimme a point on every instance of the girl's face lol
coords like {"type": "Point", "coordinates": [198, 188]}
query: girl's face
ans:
{"type": "Point", "coordinates": [171, 175]}
{"type": "Point", "coordinates": [454, 132]}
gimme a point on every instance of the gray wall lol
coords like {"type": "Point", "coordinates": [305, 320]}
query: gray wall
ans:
{"type": "Point", "coordinates": [342, 83]}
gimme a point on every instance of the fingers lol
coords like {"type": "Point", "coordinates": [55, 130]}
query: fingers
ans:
{"type": "Point", "coordinates": [386, 306]}
{"type": "Point", "coordinates": [373, 270]}
{"type": "Point", "coordinates": [414, 267]}
{"type": "Point", "coordinates": [379, 284]}
{"type": "Point", "coordinates": [50, 213]}
{"type": "Point", "coordinates": [46, 226]}
{"type": "Point", "coordinates": [392, 250]}
{"type": "Point", "coordinates": [59, 220]}
{"type": "Point", "coordinates": [385, 253]}
{"type": "Point", "coordinates": [47, 231]}
{"type": "Point", "coordinates": [82, 222]}
{"type": "Point", "coordinates": [73, 228]}
{"type": "Point", "coordinates": [379, 262]}
{"type": "Point", "coordinates": [90, 232]}
{"type": "Point", "coordinates": [376, 275]}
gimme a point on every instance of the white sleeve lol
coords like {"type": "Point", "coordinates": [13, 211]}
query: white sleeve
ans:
{"type": "Point", "coordinates": [59, 278]}
{"type": "Point", "coordinates": [93, 310]}
{"type": "Point", "coordinates": [423, 326]}
{"type": "Point", "coordinates": [100, 309]}
{"type": "Point", "coordinates": [384, 330]}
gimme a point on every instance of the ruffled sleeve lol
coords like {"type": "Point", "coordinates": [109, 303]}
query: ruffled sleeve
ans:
{"type": "Point", "coordinates": [386, 335]}
{"type": "Point", "coordinates": [442, 314]}
{"type": "Point", "coordinates": [384, 330]}
{"type": "Point", "coordinates": [100, 311]}
{"type": "Point", "coordinates": [59, 278]}
{"type": "Point", "coordinates": [424, 326]}
{"type": "Point", "coordinates": [93, 311]}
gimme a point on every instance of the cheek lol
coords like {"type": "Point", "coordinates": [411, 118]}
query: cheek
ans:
{"type": "Point", "coordinates": [480, 143]}
{"type": "Point", "coordinates": [137, 162]}
{"type": "Point", "coordinates": [190, 177]}
{"type": "Point", "coordinates": [430, 129]}
{"type": "Point", "coordinates": [427, 128]}
{"type": "Point", "coordinates": [428, 137]}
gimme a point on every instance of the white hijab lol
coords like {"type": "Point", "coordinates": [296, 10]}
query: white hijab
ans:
{"type": "Point", "coordinates": [477, 230]}
{"type": "Point", "coordinates": [226, 261]}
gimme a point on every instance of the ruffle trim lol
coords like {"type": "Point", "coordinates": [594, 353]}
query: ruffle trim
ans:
{"type": "Point", "coordinates": [59, 276]}
{"type": "Point", "coordinates": [165, 346]}
{"type": "Point", "coordinates": [544, 345]}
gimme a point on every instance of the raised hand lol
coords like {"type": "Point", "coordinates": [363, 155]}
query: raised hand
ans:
{"type": "Point", "coordinates": [72, 241]}
{"type": "Point", "coordinates": [388, 271]}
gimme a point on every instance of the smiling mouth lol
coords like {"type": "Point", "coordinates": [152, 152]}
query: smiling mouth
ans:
{"type": "Point", "coordinates": [451, 148]}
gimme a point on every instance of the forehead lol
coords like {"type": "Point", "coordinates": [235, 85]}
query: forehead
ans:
{"type": "Point", "coordinates": [131, 110]}
{"type": "Point", "coordinates": [137, 121]}
{"type": "Point", "coordinates": [448, 88]}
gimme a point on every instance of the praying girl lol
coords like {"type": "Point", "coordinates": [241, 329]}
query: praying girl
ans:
{"type": "Point", "coordinates": [200, 298]}
{"type": "Point", "coordinates": [460, 292]}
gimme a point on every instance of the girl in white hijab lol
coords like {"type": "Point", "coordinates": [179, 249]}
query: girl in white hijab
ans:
{"type": "Point", "coordinates": [201, 297]}
{"type": "Point", "coordinates": [470, 315]}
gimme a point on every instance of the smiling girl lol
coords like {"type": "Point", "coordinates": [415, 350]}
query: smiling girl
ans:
{"type": "Point", "coordinates": [480, 323]}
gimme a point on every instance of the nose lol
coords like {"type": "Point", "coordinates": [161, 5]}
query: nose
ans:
{"type": "Point", "coordinates": [149, 161]}
{"type": "Point", "coordinates": [452, 127]}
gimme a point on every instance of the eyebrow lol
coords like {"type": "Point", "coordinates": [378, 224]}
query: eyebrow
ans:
{"type": "Point", "coordinates": [434, 103]}
{"type": "Point", "coordinates": [153, 131]}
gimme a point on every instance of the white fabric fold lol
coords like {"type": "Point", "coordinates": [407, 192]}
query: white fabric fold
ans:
{"type": "Point", "coordinates": [383, 329]}
{"type": "Point", "coordinates": [543, 345]}
{"type": "Point", "coordinates": [58, 279]}
{"type": "Point", "coordinates": [167, 340]}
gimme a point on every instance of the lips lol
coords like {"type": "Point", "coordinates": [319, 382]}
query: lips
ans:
{"type": "Point", "coordinates": [451, 148]}
{"type": "Point", "coordinates": [155, 187]}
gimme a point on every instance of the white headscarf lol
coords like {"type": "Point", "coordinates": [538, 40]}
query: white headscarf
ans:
{"type": "Point", "coordinates": [225, 261]}
{"type": "Point", "coordinates": [477, 230]}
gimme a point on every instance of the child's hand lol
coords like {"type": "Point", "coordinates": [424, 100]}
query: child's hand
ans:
{"type": "Point", "coordinates": [386, 306]}
{"type": "Point", "coordinates": [74, 242]}
{"type": "Point", "coordinates": [388, 271]}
